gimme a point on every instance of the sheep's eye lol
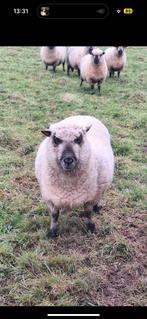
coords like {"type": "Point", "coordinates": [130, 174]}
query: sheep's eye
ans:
{"type": "Point", "coordinates": [78, 140]}
{"type": "Point", "coordinates": [57, 140]}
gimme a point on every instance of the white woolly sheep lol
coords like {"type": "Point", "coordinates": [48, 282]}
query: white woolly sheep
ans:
{"type": "Point", "coordinates": [74, 55]}
{"type": "Point", "coordinates": [74, 166]}
{"type": "Point", "coordinates": [53, 56]}
{"type": "Point", "coordinates": [116, 59]}
{"type": "Point", "coordinates": [93, 69]}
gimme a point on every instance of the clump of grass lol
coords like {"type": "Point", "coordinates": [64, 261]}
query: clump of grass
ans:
{"type": "Point", "coordinates": [28, 260]}
{"type": "Point", "coordinates": [122, 149]}
{"type": "Point", "coordinates": [116, 250]}
{"type": "Point", "coordinates": [6, 248]}
{"type": "Point", "coordinates": [27, 149]}
{"type": "Point", "coordinates": [64, 263]}
{"type": "Point", "coordinates": [104, 231]}
{"type": "Point", "coordinates": [136, 195]}
{"type": "Point", "coordinates": [141, 122]}
{"type": "Point", "coordinates": [9, 142]}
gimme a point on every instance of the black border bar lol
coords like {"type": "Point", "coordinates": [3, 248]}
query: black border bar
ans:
{"type": "Point", "coordinates": [105, 312]}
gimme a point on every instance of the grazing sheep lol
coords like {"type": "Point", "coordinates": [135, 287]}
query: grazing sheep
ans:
{"type": "Point", "coordinates": [116, 59]}
{"type": "Point", "coordinates": [74, 166]}
{"type": "Point", "coordinates": [53, 56]}
{"type": "Point", "coordinates": [93, 69]}
{"type": "Point", "coordinates": [74, 55]}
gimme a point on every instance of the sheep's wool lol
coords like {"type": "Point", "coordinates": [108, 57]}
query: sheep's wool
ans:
{"type": "Point", "coordinates": [88, 182]}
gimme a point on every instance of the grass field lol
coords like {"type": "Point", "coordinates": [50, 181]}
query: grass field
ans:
{"type": "Point", "coordinates": [78, 268]}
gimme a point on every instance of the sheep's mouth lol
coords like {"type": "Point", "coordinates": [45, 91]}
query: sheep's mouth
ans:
{"type": "Point", "coordinates": [68, 164]}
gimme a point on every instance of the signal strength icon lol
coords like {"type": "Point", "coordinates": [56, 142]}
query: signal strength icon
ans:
{"type": "Point", "coordinates": [118, 10]}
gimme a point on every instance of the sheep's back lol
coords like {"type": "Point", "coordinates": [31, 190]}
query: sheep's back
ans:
{"type": "Point", "coordinates": [62, 53]}
{"type": "Point", "coordinates": [75, 54]}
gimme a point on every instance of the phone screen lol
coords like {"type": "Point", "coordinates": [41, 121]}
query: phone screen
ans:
{"type": "Point", "coordinates": [73, 122]}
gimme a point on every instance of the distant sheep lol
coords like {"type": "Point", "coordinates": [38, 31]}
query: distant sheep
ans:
{"type": "Point", "coordinates": [74, 55]}
{"type": "Point", "coordinates": [93, 69]}
{"type": "Point", "coordinates": [115, 59]}
{"type": "Point", "coordinates": [53, 56]}
{"type": "Point", "coordinates": [74, 166]}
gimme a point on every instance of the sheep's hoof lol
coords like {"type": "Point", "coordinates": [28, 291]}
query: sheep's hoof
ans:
{"type": "Point", "coordinates": [97, 208]}
{"type": "Point", "coordinates": [52, 234]}
{"type": "Point", "coordinates": [91, 92]}
{"type": "Point", "coordinates": [90, 227]}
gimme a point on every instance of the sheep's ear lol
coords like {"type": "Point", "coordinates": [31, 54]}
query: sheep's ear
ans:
{"type": "Point", "coordinates": [46, 132]}
{"type": "Point", "coordinates": [90, 50]}
{"type": "Point", "coordinates": [87, 129]}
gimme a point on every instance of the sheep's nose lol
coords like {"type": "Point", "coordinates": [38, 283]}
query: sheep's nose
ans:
{"type": "Point", "coordinates": [120, 52]}
{"type": "Point", "coordinates": [68, 160]}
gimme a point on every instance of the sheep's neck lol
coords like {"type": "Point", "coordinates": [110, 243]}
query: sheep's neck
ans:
{"type": "Point", "coordinates": [68, 179]}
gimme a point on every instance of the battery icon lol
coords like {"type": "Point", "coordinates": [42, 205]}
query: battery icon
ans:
{"type": "Point", "coordinates": [128, 10]}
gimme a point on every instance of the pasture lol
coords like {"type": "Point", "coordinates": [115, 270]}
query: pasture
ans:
{"type": "Point", "coordinates": [78, 268]}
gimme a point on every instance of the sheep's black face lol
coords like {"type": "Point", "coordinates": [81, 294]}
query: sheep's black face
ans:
{"type": "Point", "coordinates": [96, 59]}
{"type": "Point", "coordinates": [120, 52]}
{"type": "Point", "coordinates": [68, 159]}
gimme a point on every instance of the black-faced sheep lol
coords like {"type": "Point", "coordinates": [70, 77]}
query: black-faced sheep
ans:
{"type": "Point", "coordinates": [93, 69]}
{"type": "Point", "coordinates": [74, 166]}
{"type": "Point", "coordinates": [116, 59]}
{"type": "Point", "coordinates": [53, 56]}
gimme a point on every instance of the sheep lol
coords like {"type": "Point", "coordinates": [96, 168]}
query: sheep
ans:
{"type": "Point", "coordinates": [93, 69]}
{"type": "Point", "coordinates": [74, 55]}
{"type": "Point", "coordinates": [53, 56]}
{"type": "Point", "coordinates": [116, 59]}
{"type": "Point", "coordinates": [74, 166]}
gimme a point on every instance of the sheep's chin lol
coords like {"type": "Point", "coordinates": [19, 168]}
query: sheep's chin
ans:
{"type": "Point", "coordinates": [64, 169]}
{"type": "Point", "coordinates": [68, 169]}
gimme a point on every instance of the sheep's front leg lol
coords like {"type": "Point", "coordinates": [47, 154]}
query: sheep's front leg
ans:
{"type": "Point", "coordinates": [88, 208]}
{"type": "Point", "coordinates": [99, 87]}
{"type": "Point", "coordinates": [63, 64]}
{"type": "Point", "coordinates": [81, 82]}
{"type": "Point", "coordinates": [78, 72]}
{"type": "Point", "coordinates": [68, 69]}
{"type": "Point", "coordinates": [46, 66]}
{"type": "Point", "coordinates": [54, 68]}
{"type": "Point", "coordinates": [54, 212]}
{"type": "Point", "coordinates": [91, 88]}
{"type": "Point", "coordinates": [111, 73]}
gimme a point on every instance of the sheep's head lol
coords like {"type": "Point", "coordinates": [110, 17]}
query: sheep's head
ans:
{"type": "Point", "coordinates": [120, 51]}
{"type": "Point", "coordinates": [67, 146]}
{"type": "Point", "coordinates": [97, 56]}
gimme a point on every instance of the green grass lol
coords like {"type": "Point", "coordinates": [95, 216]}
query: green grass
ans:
{"type": "Point", "coordinates": [78, 268]}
